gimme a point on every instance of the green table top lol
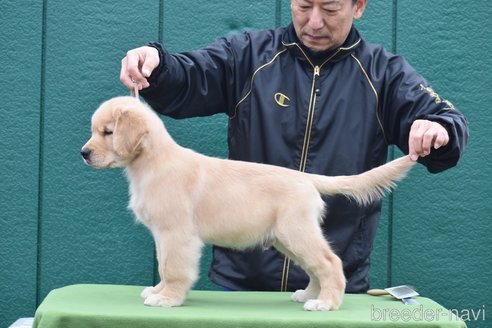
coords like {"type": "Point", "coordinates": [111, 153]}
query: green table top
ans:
{"type": "Point", "coordinates": [121, 306]}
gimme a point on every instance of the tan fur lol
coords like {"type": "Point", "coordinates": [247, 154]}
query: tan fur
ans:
{"type": "Point", "coordinates": [187, 199]}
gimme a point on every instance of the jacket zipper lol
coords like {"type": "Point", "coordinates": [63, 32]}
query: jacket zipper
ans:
{"type": "Point", "coordinates": [304, 155]}
{"type": "Point", "coordinates": [310, 119]}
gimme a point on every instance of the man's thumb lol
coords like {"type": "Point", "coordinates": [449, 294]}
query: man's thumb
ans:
{"type": "Point", "coordinates": [146, 71]}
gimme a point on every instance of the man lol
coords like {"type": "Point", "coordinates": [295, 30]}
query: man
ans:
{"type": "Point", "coordinates": [312, 96]}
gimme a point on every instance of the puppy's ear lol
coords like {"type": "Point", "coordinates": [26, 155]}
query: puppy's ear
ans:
{"type": "Point", "coordinates": [129, 131]}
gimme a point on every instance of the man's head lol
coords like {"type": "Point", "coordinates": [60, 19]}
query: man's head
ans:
{"type": "Point", "coordinates": [325, 24]}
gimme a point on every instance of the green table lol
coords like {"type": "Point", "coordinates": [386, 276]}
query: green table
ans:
{"type": "Point", "coordinates": [121, 306]}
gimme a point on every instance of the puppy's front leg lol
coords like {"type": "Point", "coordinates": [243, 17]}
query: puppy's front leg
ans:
{"type": "Point", "coordinates": [161, 255]}
{"type": "Point", "coordinates": [180, 270]}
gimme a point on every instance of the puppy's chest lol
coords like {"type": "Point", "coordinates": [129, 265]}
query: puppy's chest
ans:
{"type": "Point", "coordinates": [139, 207]}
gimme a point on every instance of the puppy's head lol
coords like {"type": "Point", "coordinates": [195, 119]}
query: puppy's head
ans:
{"type": "Point", "coordinates": [118, 130]}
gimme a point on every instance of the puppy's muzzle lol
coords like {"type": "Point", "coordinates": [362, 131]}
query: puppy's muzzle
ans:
{"type": "Point", "coordinates": [86, 153]}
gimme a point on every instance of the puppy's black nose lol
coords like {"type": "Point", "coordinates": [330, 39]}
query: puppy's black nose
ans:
{"type": "Point", "coordinates": [86, 153]}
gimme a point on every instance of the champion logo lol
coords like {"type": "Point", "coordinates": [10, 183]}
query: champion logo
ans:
{"type": "Point", "coordinates": [282, 100]}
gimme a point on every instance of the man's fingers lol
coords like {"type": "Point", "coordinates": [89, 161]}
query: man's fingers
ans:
{"type": "Point", "coordinates": [415, 141]}
{"type": "Point", "coordinates": [130, 72]}
{"type": "Point", "coordinates": [442, 139]}
{"type": "Point", "coordinates": [425, 135]}
{"type": "Point", "coordinates": [124, 76]}
{"type": "Point", "coordinates": [134, 60]}
{"type": "Point", "coordinates": [428, 138]}
{"type": "Point", "coordinates": [138, 65]}
{"type": "Point", "coordinates": [150, 62]}
{"type": "Point", "coordinates": [147, 69]}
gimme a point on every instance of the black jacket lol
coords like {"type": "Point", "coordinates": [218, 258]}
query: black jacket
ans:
{"type": "Point", "coordinates": [333, 113]}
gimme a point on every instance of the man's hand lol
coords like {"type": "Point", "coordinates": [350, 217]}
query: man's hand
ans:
{"type": "Point", "coordinates": [137, 65]}
{"type": "Point", "coordinates": [425, 135]}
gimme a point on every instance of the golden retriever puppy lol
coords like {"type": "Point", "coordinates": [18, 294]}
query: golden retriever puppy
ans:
{"type": "Point", "coordinates": [187, 199]}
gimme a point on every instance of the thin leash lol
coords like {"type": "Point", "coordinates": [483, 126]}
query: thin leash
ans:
{"type": "Point", "coordinates": [134, 91]}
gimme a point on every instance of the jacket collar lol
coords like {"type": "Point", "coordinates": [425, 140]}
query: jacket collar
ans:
{"type": "Point", "coordinates": [291, 41]}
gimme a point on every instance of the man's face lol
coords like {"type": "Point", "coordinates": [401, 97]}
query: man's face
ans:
{"type": "Point", "coordinates": [324, 24]}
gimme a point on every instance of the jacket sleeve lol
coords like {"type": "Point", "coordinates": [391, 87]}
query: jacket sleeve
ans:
{"type": "Point", "coordinates": [408, 97]}
{"type": "Point", "coordinates": [190, 84]}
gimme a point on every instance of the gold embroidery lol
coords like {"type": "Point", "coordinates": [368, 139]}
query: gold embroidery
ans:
{"type": "Point", "coordinates": [437, 98]}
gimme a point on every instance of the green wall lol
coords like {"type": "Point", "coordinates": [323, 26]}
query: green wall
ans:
{"type": "Point", "coordinates": [63, 223]}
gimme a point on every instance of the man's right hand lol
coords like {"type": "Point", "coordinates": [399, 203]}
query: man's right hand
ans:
{"type": "Point", "coordinates": [138, 65]}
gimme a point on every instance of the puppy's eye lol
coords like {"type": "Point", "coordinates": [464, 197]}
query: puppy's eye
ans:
{"type": "Point", "coordinates": [107, 133]}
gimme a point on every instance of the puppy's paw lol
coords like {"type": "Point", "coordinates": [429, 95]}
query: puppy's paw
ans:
{"type": "Point", "coordinates": [162, 301]}
{"type": "Point", "coordinates": [152, 290]}
{"type": "Point", "coordinates": [303, 295]}
{"type": "Point", "coordinates": [147, 292]}
{"type": "Point", "coordinates": [318, 305]}
{"type": "Point", "coordinates": [300, 296]}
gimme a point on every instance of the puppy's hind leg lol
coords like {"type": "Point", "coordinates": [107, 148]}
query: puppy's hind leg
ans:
{"type": "Point", "coordinates": [329, 270]}
{"type": "Point", "coordinates": [312, 290]}
{"type": "Point", "coordinates": [180, 270]}
{"type": "Point", "coordinates": [327, 283]}
{"type": "Point", "coordinates": [301, 235]}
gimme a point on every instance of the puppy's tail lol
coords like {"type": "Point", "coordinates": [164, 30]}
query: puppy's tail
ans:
{"type": "Point", "coordinates": [366, 187]}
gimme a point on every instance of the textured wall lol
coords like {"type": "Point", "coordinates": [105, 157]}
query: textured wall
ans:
{"type": "Point", "coordinates": [64, 223]}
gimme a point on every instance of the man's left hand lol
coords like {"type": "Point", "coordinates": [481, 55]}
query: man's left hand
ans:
{"type": "Point", "coordinates": [425, 135]}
